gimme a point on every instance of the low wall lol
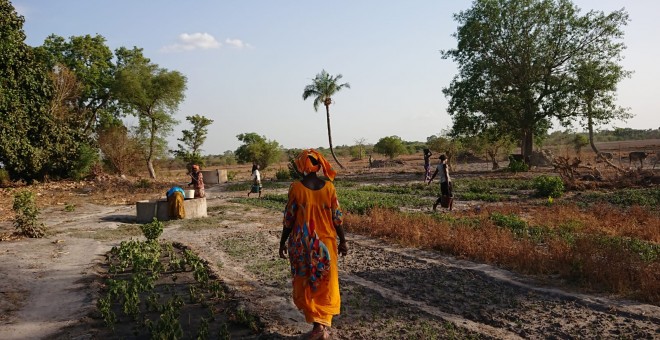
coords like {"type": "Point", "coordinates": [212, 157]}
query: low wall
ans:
{"type": "Point", "coordinates": [214, 176]}
{"type": "Point", "coordinates": [147, 210]}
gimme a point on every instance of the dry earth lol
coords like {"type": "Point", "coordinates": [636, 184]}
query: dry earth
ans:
{"type": "Point", "coordinates": [48, 287]}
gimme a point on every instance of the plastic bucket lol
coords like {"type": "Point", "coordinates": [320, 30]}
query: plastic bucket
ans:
{"type": "Point", "coordinates": [190, 193]}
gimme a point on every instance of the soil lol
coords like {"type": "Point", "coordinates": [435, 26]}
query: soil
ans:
{"type": "Point", "coordinates": [49, 286]}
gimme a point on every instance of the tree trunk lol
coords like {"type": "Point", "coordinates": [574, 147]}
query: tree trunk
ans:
{"type": "Point", "coordinates": [152, 139]}
{"type": "Point", "coordinates": [590, 126]}
{"type": "Point", "coordinates": [527, 145]}
{"type": "Point", "coordinates": [332, 151]}
{"type": "Point", "coordinates": [493, 159]}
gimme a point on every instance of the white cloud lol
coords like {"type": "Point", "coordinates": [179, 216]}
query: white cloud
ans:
{"type": "Point", "coordinates": [237, 43]}
{"type": "Point", "coordinates": [193, 41]}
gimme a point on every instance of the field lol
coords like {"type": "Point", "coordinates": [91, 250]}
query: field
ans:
{"type": "Point", "coordinates": [506, 263]}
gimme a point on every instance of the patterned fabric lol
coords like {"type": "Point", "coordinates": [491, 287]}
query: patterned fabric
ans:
{"type": "Point", "coordinates": [312, 246]}
{"type": "Point", "coordinates": [198, 183]}
{"type": "Point", "coordinates": [305, 166]}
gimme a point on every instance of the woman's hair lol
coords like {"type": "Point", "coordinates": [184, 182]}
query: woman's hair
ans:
{"type": "Point", "coordinates": [443, 157]}
{"type": "Point", "coordinates": [254, 167]}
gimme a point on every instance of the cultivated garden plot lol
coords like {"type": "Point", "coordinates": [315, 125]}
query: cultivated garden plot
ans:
{"type": "Point", "coordinates": [490, 269]}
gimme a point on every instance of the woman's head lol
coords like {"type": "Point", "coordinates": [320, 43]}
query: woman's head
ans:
{"type": "Point", "coordinates": [195, 167]}
{"type": "Point", "coordinates": [311, 161]}
{"type": "Point", "coordinates": [443, 157]}
{"type": "Point", "coordinates": [255, 167]}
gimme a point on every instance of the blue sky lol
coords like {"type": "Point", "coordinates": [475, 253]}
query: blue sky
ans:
{"type": "Point", "coordinates": [248, 61]}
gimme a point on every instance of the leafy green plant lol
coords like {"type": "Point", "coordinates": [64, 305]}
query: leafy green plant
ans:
{"type": "Point", "coordinates": [152, 230]}
{"type": "Point", "coordinates": [26, 211]}
{"type": "Point", "coordinates": [69, 207]}
{"type": "Point", "coordinates": [517, 165]}
{"type": "Point", "coordinates": [231, 175]}
{"type": "Point", "coordinates": [282, 174]}
{"type": "Point", "coordinates": [143, 183]}
{"type": "Point", "coordinates": [511, 222]}
{"type": "Point", "coordinates": [548, 186]}
{"type": "Point", "coordinates": [4, 178]}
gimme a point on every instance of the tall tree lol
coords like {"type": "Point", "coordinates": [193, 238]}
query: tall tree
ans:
{"type": "Point", "coordinates": [25, 93]}
{"type": "Point", "coordinates": [322, 88]}
{"type": "Point", "coordinates": [91, 61]}
{"type": "Point", "coordinates": [390, 146]}
{"type": "Point", "coordinates": [190, 150]}
{"type": "Point", "coordinates": [257, 150]}
{"type": "Point", "coordinates": [595, 96]}
{"type": "Point", "coordinates": [516, 63]}
{"type": "Point", "coordinates": [151, 93]}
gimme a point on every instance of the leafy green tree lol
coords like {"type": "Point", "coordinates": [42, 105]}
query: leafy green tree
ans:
{"type": "Point", "coordinates": [517, 59]}
{"type": "Point", "coordinates": [91, 62]}
{"type": "Point", "coordinates": [257, 150]}
{"type": "Point", "coordinates": [450, 146]}
{"type": "Point", "coordinates": [25, 94]}
{"type": "Point", "coordinates": [323, 87]}
{"type": "Point", "coordinates": [595, 95]}
{"type": "Point", "coordinates": [190, 150]}
{"type": "Point", "coordinates": [151, 93]}
{"type": "Point", "coordinates": [391, 146]}
{"type": "Point", "coordinates": [580, 141]}
{"type": "Point", "coordinates": [490, 144]}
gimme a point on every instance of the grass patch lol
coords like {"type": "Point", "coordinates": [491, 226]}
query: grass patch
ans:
{"type": "Point", "coordinates": [647, 197]}
{"type": "Point", "coordinates": [245, 186]}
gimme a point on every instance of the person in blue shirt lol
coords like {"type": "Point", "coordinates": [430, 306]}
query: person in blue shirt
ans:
{"type": "Point", "coordinates": [175, 207]}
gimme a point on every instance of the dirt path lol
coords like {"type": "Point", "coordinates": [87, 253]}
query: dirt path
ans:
{"type": "Point", "coordinates": [47, 285]}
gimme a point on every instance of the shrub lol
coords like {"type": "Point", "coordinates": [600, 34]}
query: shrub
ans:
{"type": "Point", "coordinates": [282, 174]}
{"type": "Point", "coordinates": [143, 183]}
{"type": "Point", "coordinates": [152, 230]}
{"type": "Point", "coordinates": [4, 178]}
{"type": "Point", "coordinates": [548, 186]}
{"type": "Point", "coordinates": [27, 212]}
{"type": "Point", "coordinates": [517, 165]}
{"type": "Point", "coordinates": [231, 175]}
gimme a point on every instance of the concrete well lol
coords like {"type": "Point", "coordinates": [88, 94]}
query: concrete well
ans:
{"type": "Point", "coordinates": [214, 176]}
{"type": "Point", "coordinates": [147, 210]}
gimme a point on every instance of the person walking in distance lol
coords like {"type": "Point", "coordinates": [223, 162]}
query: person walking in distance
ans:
{"type": "Point", "coordinates": [427, 164]}
{"type": "Point", "coordinates": [256, 181]}
{"type": "Point", "coordinates": [446, 194]}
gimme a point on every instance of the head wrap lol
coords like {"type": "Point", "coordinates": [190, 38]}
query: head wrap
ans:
{"type": "Point", "coordinates": [305, 166]}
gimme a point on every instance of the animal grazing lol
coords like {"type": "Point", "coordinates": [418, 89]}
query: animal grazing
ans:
{"type": "Point", "coordinates": [637, 156]}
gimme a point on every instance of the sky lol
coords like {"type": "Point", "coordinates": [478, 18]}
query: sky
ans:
{"type": "Point", "coordinates": [247, 62]}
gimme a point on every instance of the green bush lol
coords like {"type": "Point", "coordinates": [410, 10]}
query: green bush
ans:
{"type": "Point", "coordinates": [27, 212]}
{"type": "Point", "coordinates": [231, 175]}
{"type": "Point", "coordinates": [4, 178]}
{"type": "Point", "coordinates": [143, 183]}
{"type": "Point", "coordinates": [282, 174]}
{"type": "Point", "coordinates": [517, 166]}
{"type": "Point", "coordinates": [548, 186]}
{"type": "Point", "coordinates": [152, 230]}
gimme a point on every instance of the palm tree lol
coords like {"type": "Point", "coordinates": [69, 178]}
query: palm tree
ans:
{"type": "Point", "coordinates": [323, 87]}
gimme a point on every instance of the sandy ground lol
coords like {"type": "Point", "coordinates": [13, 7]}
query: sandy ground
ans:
{"type": "Point", "coordinates": [48, 286]}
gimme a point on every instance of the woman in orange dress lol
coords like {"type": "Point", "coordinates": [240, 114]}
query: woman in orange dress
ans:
{"type": "Point", "coordinates": [312, 223]}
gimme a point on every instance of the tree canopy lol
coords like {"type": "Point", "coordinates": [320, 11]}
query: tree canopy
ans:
{"type": "Point", "coordinates": [390, 146]}
{"type": "Point", "coordinates": [257, 150]}
{"type": "Point", "coordinates": [190, 149]}
{"type": "Point", "coordinates": [151, 93]}
{"type": "Point", "coordinates": [518, 63]}
{"type": "Point", "coordinates": [322, 88]}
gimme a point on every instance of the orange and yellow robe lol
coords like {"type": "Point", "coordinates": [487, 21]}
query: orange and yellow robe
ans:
{"type": "Point", "coordinates": [312, 245]}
